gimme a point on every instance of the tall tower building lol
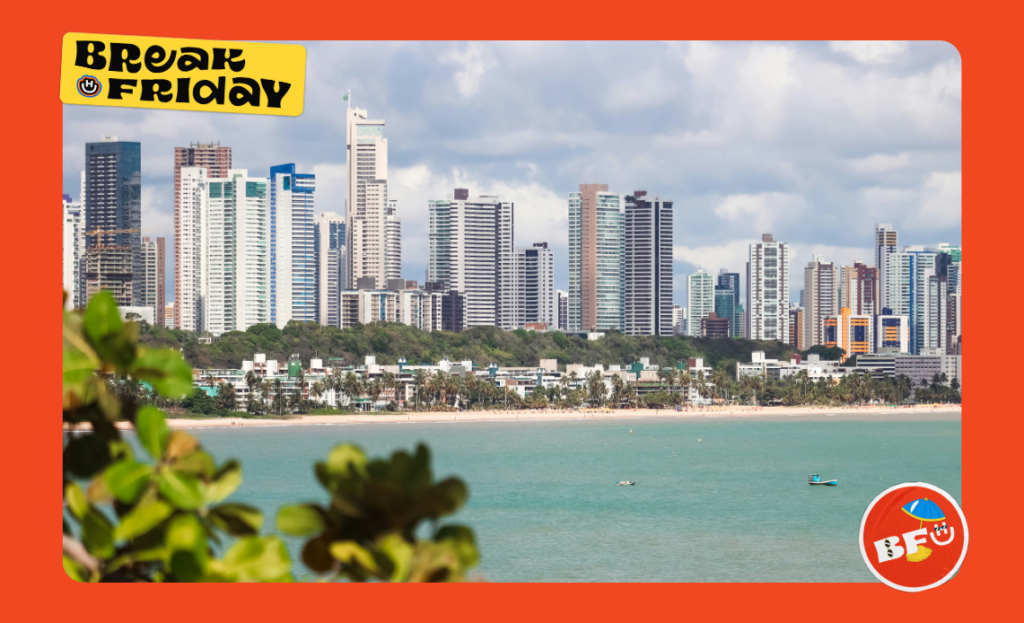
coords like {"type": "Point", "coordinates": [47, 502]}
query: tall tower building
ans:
{"type": "Point", "coordinates": [153, 266]}
{"type": "Point", "coordinates": [768, 290]}
{"type": "Point", "coordinates": [596, 262]}
{"type": "Point", "coordinates": [293, 293]}
{"type": "Point", "coordinates": [886, 243]}
{"type": "Point", "coordinates": [700, 295]}
{"type": "Point", "coordinates": [113, 203]}
{"type": "Point", "coordinates": [235, 280]}
{"type": "Point", "coordinates": [367, 202]}
{"type": "Point", "coordinates": [913, 294]}
{"type": "Point", "coordinates": [860, 290]}
{"type": "Point", "coordinates": [821, 294]}
{"type": "Point", "coordinates": [394, 241]}
{"type": "Point", "coordinates": [732, 282]}
{"type": "Point", "coordinates": [330, 275]}
{"type": "Point", "coordinates": [535, 276]}
{"type": "Point", "coordinates": [563, 310]}
{"type": "Point", "coordinates": [215, 161]}
{"type": "Point", "coordinates": [74, 246]}
{"type": "Point", "coordinates": [471, 253]}
{"type": "Point", "coordinates": [647, 273]}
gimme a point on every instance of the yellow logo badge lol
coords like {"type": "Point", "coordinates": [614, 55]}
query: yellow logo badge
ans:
{"type": "Point", "coordinates": [183, 74]}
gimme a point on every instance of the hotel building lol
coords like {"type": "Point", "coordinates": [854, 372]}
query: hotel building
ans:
{"type": "Point", "coordinates": [768, 290]}
{"type": "Point", "coordinates": [596, 263]}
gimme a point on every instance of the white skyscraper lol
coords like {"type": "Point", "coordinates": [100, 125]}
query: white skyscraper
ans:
{"type": "Point", "coordinates": [821, 298]}
{"type": "Point", "coordinates": [74, 247]}
{"type": "Point", "coordinates": [235, 291]}
{"type": "Point", "coordinates": [535, 277]}
{"type": "Point", "coordinates": [912, 293]}
{"type": "Point", "coordinates": [767, 290]}
{"type": "Point", "coordinates": [330, 276]}
{"type": "Point", "coordinates": [189, 253]}
{"type": "Point", "coordinates": [293, 291]}
{"type": "Point", "coordinates": [679, 319]}
{"type": "Point", "coordinates": [394, 242]}
{"type": "Point", "coordinates": [647, 277]}
{"type": "Point", "coordinates": [471, 252]}
{"type": "Point", "coordinates": [367, 203]}
{"type": "Point", "coordinates": [700, 295]}
{"type": "Point", "coordinates": [886, 241]}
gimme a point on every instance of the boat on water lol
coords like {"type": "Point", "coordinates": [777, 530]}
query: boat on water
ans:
{"type": "Point", "coordinates": [623, 483]}
{"type": "Point", "coordinates": [814, 479]}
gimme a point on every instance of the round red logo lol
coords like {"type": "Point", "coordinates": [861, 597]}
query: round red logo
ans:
{"type": "Point", "coordinates": [913, 536]}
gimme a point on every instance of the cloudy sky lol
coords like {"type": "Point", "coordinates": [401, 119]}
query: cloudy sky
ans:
{"type": "Point", "coordinates": [813, 142]}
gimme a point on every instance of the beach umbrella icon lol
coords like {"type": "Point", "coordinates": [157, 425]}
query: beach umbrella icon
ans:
{"type": "Point", "coordinates": [923, 510]}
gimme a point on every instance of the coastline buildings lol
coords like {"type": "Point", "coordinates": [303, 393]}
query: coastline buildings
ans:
{"type": "Point", "coordinates": [713, 326]}
{"type": "Point", "coordinates": [854, 333]}
{"type": "Point", "coordinates": [647, 278]}
{"type": "Point", "coordinates": [886, 243]}
{"type": "Point", "coordinates": [471, 253]}
{"type": "Point", "coordinates": [535, 278]}
{"type": "Point", "coordinates": [393, 240]}
{"type": "Point", "coordinates": [596, 246]}
{"type": "Point", "coordinates": [730, 281]}
{"type": "Point", "coordinates": [214, 161]}
{"type": "Point", "coordinates": [113, 219]}
{"type": "Point", "coordinates": [768, 289]}
{"type": "Point", "coordinates": [73, 248]}
{"type": "Point", "coordinates": [700, 296]}
{"type": "Point", "coordinates": [292, 257]}
{"type": "Point", "coordinates": [366, 207]}
{"type": "Point", "coordinates": [796, 328]}
{"type": "Point", "coordinates": [563, 310]}
{"type": "Point", "coordinates": [679, 319]}
{"type": "Point", "coordinates": [860, 289]}
{"type": "Point", "coordinates": [153, 269]}
{"type": "Point", "coordinates": [821, 297]}
{"type": "Point", "coordinates": [329, 249]}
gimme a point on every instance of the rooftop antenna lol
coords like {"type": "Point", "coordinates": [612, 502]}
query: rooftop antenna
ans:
{"type": "Point", "coordinates": [348, 98]}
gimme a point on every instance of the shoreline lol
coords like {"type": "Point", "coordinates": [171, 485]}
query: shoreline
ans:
{"type": "Point", "coordinates": [868, 412]}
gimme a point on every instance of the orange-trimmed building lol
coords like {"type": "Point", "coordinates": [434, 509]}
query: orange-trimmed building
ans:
{"type": "Point", "coordinates": [854, 333]}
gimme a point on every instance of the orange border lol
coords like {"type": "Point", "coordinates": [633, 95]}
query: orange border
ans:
{"type": "Point", "coordinates": [35, 587]}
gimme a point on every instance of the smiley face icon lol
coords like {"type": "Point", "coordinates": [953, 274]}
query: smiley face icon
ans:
{"type": "Point", "coordinates": [89, 86]}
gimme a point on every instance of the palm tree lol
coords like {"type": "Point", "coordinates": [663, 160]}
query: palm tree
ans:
{"type": "Point", "coordinates": [317, 390]}
{"type": "Point", "coordinates": [279, 398]}
{"type": "Point", "coordinates": [438, 385]}
{"type": "Point", "coordinates": [226, 396]}
{"type": "Point", "coordinates": [352, 387]}
{"type": "Point", "coordinates": [419, 379]}
{"type": "Point", "coordinates": [685, 380]}
{"type": "Point", "coordinates": [374, 389]}
{"type": "Point", "coordinates": [389, 383]}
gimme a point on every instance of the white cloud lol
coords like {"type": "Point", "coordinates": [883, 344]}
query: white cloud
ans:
{"type": "Point", "coordinates": [871, 52]}
{"type": "Point", "coordinates": [760, 212]}
{"type": "Point", "coordinates": [712, 258]}
{"type": "Point", "coordinates": [648, 90]}
{"type": "Point", "coordinates": [476, 59]}
{"type": "Point", "coordinates": [880, 163]}
{"type": "Point", "coordinates": [940, 205]}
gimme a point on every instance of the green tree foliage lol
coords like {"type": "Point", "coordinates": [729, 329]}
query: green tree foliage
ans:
{"type": "Point", "coordinates": [482, 345]}
{"type": "Point", "coordinates": [162, 517]}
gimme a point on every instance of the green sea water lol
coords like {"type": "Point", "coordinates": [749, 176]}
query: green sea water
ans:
{"type": "Point", "coordinates": [716, 499]}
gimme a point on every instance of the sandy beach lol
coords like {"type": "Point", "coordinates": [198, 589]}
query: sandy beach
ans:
{"type": "Point", "coordinates": [945, 411]}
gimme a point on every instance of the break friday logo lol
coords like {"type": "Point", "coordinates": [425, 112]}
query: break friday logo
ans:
{"type": "Point", "coordinates": [913, 537]}
{"type": "Point", "coordinates": [89, 86]}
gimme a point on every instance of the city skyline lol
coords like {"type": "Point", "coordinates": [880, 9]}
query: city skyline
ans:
{"type": "Point", "coordinates": [814, 142]}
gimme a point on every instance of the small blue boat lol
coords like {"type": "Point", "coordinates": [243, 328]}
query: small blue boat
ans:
{"type": "Point", "coordinates": [814, 479]}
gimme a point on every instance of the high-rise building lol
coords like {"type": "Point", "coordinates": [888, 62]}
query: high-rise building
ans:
{"type": "Point", "coordinates": [394, 241]}
{"type": "Point", "coordinates": [854, 333]}
{"type": "Point", "coordinates": [596, 262]}
{"type": "Point", "coordinates": [952, 250]}
{"type": "Point", "coordinates": [742, 323]}
{"type": "Point", "coordinates": [113, 203]}
{"type": "Point", "coordinates": [366, 207]}
{"type": "Point", "coordinates": [293, 290]}
{"type": "Point", "coordinates": [329, 246]}
{"type": "Point", "coordinates": [214, 162]}
{"type": "Point", "coordinates": [471, 253]}
{"type": "Point", "coordinates": [821, 284]}
{"type": "Point", "coordinates": [911, 294]}
{"type": "Point", "coordinates": [713, 326]}
{"type": "Point", "coordinates": [796, 328]}
{"type": "Point", "coordinates": [153, 267]}
{"type": "Point", "coordinates": [860, 289]}
{"type": "Point", "coordinates": [700, 295]}
{"type": "Point", "coordinates": [886, 243]}
{"type": "Point", "coordinates": [535, 277]}
{"type": "Point", "coordinates": [892, 334]}
{"type": "Point", "coordinates": [647, 265]}
{"type": "Point", "coordinates": [768, 290]}
{"type": "Point", "coordinates": [731, 281]}
{"type": "Point", "coordinates": [679, 319]}
{"type": "Point", "coordinates": [235, 282]}
{"type": "Point", "coordinates": [725, 306]}
{"type": "Point", "coordinates": [169, 314]}
{"type": "Point", "coordinates": [563, 310]}
{"type": "Point", "coordinates": [73, 247]}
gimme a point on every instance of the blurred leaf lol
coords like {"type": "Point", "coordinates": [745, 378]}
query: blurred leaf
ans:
{"type": "Point", "coordinates": [400, 552]}
{"type": "Point", "coordinates": [197, 463]}
{"type": "Point", "coordinates": [351, 552]}
{"type": "Point", "coordinates": [75, 498]}
{"type": "Point", "coordinates": [121, 449]}
{"type": "Point", "coordinates": [237, 519]}
{"type": "Point", "coordinates": [227, 481]}
{"type": "Point", "coordinates": [165, 369]}
{"type": "Point", "coordinates": [186, 545]}
{"type": "Point", "coordinates": [146, 555]}
{"type": "Point", "coordinates": [142, 519]}
{"type": "Point", "coordinates": [316, 554]}
{"type": "Point", "coordinates": [180, 444]}
{"type": "Point", "coordinates": [74, 570]}
{"type": "Point", "coordinates": [300, 520]}
{"type": "Point", "coordinates": [346, 461]}
{"type": "Point", "coordinates": [182, 490]}
{"type": "Point", "coordinates": [98, 534]}
{"type": "Point", "coordinates": [153, 431]}
{"type": "Point", "coordinates": [462, 541]}
{"type": "Point", "coordinates": [112, 339]}
{"type": "Point", "coordinates": [85, 455]}
{"type": "Point", "coordinates": [97, 493]}
{"type": "Point", "coordinates": [255, 559]}
{"type": "Point", "coordinates": [127, 479]}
